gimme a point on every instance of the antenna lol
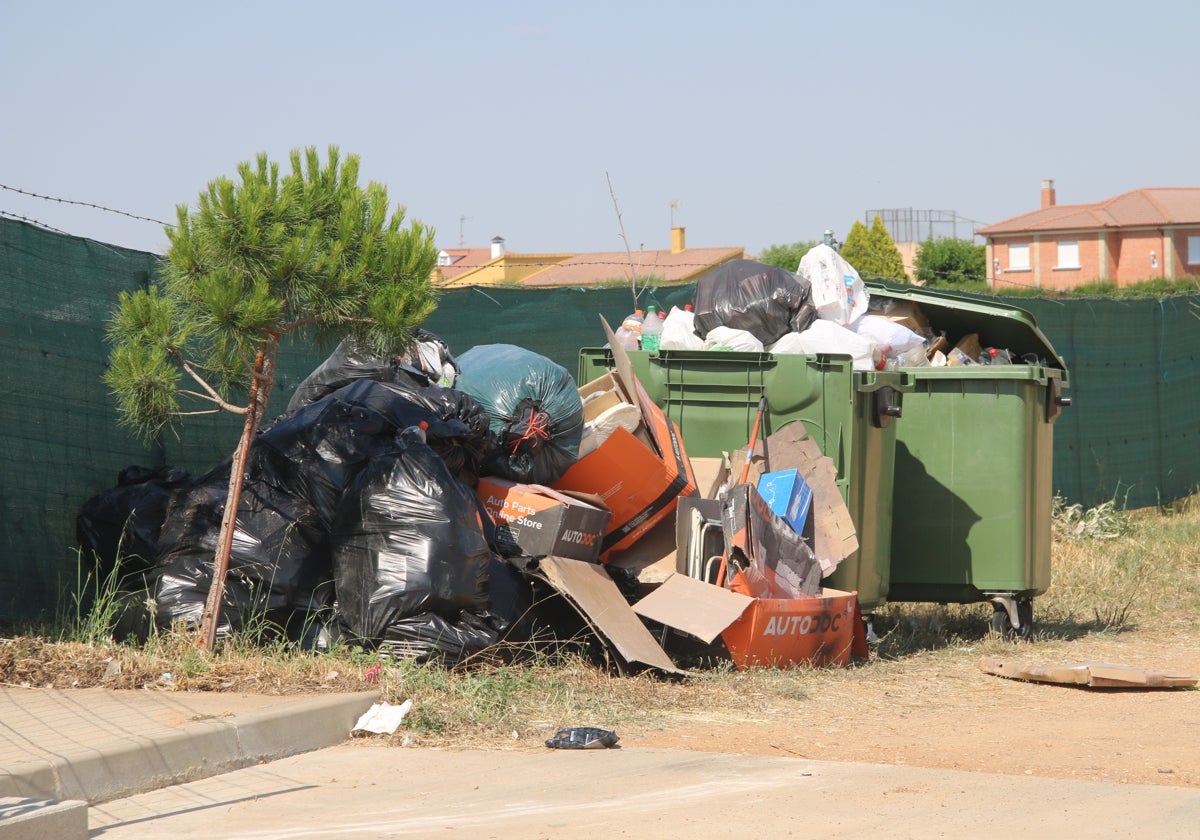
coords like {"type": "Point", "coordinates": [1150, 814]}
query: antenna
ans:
{"type": "Point", "coordinates": [461, 221]}
{"type": "Point", "coordinates": [674, 207]}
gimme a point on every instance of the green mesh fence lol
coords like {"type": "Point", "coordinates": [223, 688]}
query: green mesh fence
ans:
{"type": "Point", "coordinates": [1131, 433]}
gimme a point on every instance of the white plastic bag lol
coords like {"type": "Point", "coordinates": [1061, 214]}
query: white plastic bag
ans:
{"type": "Point", "coordinates": [727, 338]}
{"type": "Point", "coordinates": [679, 331]}
{"type": "Point", "coordinates": [791, 343]}
{"type": "Point", "coordinates": [894, 340]}
{"type": "Point", "coordinates": [837, 292]}
{"type": "Point", "coordinates": [827, 337]}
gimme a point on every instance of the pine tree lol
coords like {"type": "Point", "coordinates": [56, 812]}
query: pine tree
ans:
{"type": "Point", "coordinates": [856, 250]}
{"type": "Point", "coordinates": [311, 252]}
{"type": "Point", "coordinates": [873, 253]}
{"type": "Point", "coordinates": [891, 263]}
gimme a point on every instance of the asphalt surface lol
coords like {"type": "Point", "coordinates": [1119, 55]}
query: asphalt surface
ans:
{"type": "Point", "coordinates": [149, 764]}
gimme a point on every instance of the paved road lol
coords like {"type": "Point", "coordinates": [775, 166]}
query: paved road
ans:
{"type": "Point", "coordinates": [366, 790]}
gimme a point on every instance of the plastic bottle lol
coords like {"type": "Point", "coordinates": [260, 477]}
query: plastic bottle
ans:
{"type": "Point", "coordinates": [652, 328]}
{"type": "Point", "coordinates": [629, 334]}
{"type": "Point", "coordinates": [993, 356]}
{"type": "Point", "coordinates": [957, 357]}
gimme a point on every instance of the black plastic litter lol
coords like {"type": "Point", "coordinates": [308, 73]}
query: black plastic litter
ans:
{"type": "Point", "coordinates": [535, 413]}
{"type": "Point", "coordinates": [764, 300]}
{"type": "Point", "coordinates": [583, 738]}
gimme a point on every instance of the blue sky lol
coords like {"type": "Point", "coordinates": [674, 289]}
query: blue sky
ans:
{"type": "Point", "coordinates": [767, 122]}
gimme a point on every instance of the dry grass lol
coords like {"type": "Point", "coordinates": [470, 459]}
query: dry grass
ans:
{"type": "Point", "coordinates": [1118, 574]}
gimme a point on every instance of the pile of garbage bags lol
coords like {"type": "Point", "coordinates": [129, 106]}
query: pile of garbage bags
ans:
{"type": "Point", "coordinates": [358, 518]}
{"type": "Point", "coordinates": [823, 307]}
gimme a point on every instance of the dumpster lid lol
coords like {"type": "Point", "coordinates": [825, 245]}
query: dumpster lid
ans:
{"type": "Point", "coordinates": [998, 324]}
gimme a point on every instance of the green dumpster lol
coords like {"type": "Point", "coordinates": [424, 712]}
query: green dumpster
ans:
{"type": "Point", "coordinates": [713, 397]}
{"type": "Point", "coordinates": [974, 455]}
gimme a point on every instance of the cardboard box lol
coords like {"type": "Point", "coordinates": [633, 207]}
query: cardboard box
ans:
{"type": "Point", "coordinates": [535, 520]}
{"type": "Point", "coordinates": [826, 629]}
{"type": "Point", "coordinates": [907, 313]}
{"type": "Point", "coordinates": [788, 495]}
{"type": "Point", "coordinates": [822, 630]}
{"type": "Point", "coordinates": [639, 478]}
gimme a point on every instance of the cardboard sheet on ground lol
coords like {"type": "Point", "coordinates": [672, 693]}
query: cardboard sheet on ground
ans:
{"type": "Point", "coordinates": [1091, 674]}
{"type": "Point", "coordinates": [588, 588]}
{"type": "Point", "coordinates": [791, 447]}
{"type": "Point", "coordinates": [693, 606]}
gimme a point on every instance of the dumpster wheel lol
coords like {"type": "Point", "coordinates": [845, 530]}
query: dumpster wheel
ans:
{"type": "Point", "coordinates": [1012, 618]}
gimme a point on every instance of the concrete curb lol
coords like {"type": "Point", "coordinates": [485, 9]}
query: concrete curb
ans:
{"type": "Point", "coordinates": [194, 751]}
{"type": "Point", "coordinates": [37, 819]}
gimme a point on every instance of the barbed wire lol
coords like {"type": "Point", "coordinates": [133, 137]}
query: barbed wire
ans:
{"type": "Point", "coordinates": [43, 225]}
{"type": "Point", "coordinates": [83, 204]}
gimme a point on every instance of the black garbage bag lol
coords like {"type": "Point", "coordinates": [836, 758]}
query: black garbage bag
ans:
{"type": "Point", "coordinates": [536, 415]}
{"type": "Point", "coordinates": [317, 450]}
{"type": "Point", "coordinates": [458, 426]}
{"type": "Point", "coordinates": [280, 567]}
{"type": "Point", "coordinates": [429, 362]}
{"type": "Point", "coordinates": [407, 539]}
{"type": "Point", "coordinates": [764, 300]}
{"type": "Point", "coordinates": [117, 530]}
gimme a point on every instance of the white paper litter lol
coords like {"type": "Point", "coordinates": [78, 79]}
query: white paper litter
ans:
{"type": "Point", "coordinates": [383, 718]}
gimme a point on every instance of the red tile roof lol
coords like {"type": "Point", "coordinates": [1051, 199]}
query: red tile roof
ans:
{"type": "Point", "coordinates": [1149, 207]}
{"type": "Point", "coordinates": [464, 260]}
{"type": "Point", "coordinates": [589, 269]}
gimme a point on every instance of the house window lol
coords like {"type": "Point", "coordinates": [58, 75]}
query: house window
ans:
{"type": "Point", "coordinates": [1194, 250]}
{"type": "Point", "coordinates": [1068, 255]}
{"type": "Point", "coordinates": [1018, 257]}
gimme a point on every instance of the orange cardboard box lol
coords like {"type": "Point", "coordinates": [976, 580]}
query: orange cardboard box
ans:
{"type": "Point", "coordinates": [638, 477]}
{"type": "Point", "coordinates": [534, 520]}
{"type": "Point", "coordinates": [822, 630]}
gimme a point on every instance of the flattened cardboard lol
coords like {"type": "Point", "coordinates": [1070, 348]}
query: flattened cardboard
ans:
{"type": "Point", "coordinates": [693, 606]}
{"type": "Point", "coordinates": [834, 537]}
{"type": "Point", "coordinates": [653, 557]}
{"type": "Point", "coordinates": [1091, 674]}
{"type": "Point", "coordinates": [592, 592]}
{"type": "Point", "coordinates": [536, 520]}
{"type": "Point", "coordinates": [766, 558]}
{"type": "Point", "coordinates": [710, 474]}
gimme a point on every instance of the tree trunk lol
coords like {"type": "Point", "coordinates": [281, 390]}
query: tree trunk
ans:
{"type": "Point", "coordinates": [260, 392]}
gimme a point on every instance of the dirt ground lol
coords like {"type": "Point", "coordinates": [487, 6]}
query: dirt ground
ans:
{"type": "Point", "coordinates": [945, 712]}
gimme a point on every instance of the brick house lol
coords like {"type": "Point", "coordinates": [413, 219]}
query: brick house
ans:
{"type": "Point", "coordinates": [1140, 235]}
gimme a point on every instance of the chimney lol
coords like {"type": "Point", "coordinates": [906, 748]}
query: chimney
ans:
{"type": "Point", "coordinates": [1047, 193]}
{"type": "Point", "coordinates": [678, 240]}
{"type": "Point", "coordinates": [497, 247]}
